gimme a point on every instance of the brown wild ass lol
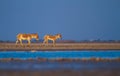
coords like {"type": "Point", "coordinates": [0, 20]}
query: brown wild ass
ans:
{"type": "Point", "coordinates": [52, 38]}
{"type": "Point", "coordinates": [27, 37]}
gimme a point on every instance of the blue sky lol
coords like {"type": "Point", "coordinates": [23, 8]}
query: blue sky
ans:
{"type": "Point", "coordinates": [74, 19]}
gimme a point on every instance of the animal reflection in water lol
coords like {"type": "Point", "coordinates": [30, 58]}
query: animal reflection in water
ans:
{"type": "Point", "coordinates": [27, 37]}
{"type": "Point", "coordinates": [52, 38]}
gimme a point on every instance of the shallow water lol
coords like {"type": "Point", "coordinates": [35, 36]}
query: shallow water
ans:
{"type": "Point", "coordinates": [60, 54]}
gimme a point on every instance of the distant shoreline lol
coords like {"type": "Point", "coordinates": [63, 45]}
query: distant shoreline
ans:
{"type": "Point", "coordinates": [68, 41]}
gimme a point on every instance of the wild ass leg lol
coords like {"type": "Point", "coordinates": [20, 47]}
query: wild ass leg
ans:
{"type": "Point", "coordinates": [45, 42]}
{"type": "Point", "coordinates": [17, 41]}
{"type": "Point", "coordinates": [29, 42]}
{"type": "Point", "coordinates": [21, 42]}
{"type": "Point", "coordinates": [53, 42]}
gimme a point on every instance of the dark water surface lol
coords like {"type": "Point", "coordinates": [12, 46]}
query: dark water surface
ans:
{"type": "Point", "coordinates": [36, 68]}
{"type": "Point", "coordinates": [36, 65]}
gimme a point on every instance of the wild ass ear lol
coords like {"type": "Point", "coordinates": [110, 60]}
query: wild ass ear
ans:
{"type": "Point", "coordinates": [60, 35]}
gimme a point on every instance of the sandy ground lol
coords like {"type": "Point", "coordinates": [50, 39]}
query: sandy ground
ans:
{"type": "Point", "coordinates": [61, 46]}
